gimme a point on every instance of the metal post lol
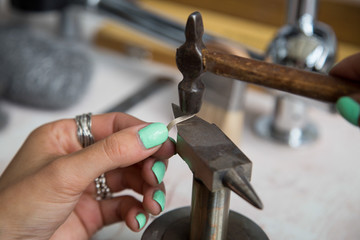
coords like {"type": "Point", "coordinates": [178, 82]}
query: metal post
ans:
{"type": "Point", "coordinates": [209, 212]}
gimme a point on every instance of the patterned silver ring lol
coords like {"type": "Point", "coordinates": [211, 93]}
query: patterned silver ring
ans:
{"type": "Point", "coordinates": [84, 134]}
{"type": "Point", "coordinates": [85, 137]}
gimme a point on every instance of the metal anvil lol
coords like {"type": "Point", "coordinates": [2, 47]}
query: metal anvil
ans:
{"type": "Point", "coordinates": [209, 153]}
{"type": "Point", "coordinates": [218, 166]}
{"type": "Point", "coordinates": [213, 158]}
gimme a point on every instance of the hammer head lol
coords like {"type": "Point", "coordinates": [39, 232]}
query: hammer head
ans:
{"type": "Point", "coordinates": [189, 61]}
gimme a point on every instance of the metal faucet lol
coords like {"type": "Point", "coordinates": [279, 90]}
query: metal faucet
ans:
{"type": "Point", "coordinates": [306, 44]}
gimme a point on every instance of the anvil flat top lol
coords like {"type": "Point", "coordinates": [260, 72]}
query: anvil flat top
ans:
{"type": "Point", "coordinates": [210, 143]}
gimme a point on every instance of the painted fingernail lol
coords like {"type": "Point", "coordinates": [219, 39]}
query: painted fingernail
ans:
{"type": "Point", "coordinates": [159, 197]}
{"type": "Point", "coordinates": [141, 219]}
{"type": "Point", "coordinates": [349, 109]}
{"type": "Point", "coordinates": [153, 135]}
{"type": "Point", "coordinates": [159, 170]}
{"type": "Point", "coordinates": [173, 140]}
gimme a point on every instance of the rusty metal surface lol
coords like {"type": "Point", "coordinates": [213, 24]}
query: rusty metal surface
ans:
{"type": "Point", "coordinates": [190, 63]}
{"type": "Point", "coordinates": [209, 212]}
{"type": "Point", "coordinates": [175, 225]}
{"type": "Point", "coordinates": [214, 158]}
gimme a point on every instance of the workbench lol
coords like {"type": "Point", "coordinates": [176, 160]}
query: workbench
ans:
{"type": "Point", "coordinates": [308, 193]}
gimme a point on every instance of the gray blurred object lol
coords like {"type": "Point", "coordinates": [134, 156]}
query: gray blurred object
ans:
{"type": "Point", "coordinates": [42, 70]}
{"type": "Point", "coordinates": [302, 43]}
{"type": "Point", "coordinates": [3, 115]}
{"type": "Point", "coordinates": [149, 89]}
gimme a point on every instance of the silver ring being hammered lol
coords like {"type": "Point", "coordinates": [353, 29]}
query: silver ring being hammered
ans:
{"type": "Point", "coordinates": [85, 137]}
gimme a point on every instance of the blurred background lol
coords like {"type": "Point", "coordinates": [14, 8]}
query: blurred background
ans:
{"type": "Point", "coordinates": [62, 58]}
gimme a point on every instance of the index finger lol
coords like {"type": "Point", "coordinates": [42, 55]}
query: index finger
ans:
{"type": "Point", "coordinates": [104, 125]}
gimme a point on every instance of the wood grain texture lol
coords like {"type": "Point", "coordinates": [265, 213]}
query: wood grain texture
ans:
{"type": "Point", "coordinates": [308, 84]}
{"type": "Point", "coordinates": [130, 42]}
{"type": "Point", "coordinates": [342, 16]}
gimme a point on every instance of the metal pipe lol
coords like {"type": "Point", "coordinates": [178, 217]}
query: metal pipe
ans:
{"type": "Point", "coordinates": [298, 8]}
{"type": "Point", "coordinates": [209, 212]}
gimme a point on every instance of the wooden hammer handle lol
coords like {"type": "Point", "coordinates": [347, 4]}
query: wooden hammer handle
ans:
{"type": "Point", "coordinates": [304, 83]}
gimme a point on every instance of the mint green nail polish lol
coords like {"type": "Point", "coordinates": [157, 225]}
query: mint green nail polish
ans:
{"type": "Point", "coordinates": [153, 135]}
{"type": "Point", "coordinates": [159, 197]}
{"type": "Point", "coordinates": [349, 109]}
{"type": "Point", "coordinates": [159, 170]}
{"type": "Point", "coordinates": [173, 140]}
{"type": "Point", "coordinates": [141, 219]}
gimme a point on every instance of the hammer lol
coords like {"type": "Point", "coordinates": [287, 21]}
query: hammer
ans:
{"type": "Point", "coordinates": [193, 59]}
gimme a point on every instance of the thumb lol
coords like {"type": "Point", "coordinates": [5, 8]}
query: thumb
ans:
{"type": "Point", "coordinates": [121, 149]}
{"type": "Point", "coordinates": [348, 68]}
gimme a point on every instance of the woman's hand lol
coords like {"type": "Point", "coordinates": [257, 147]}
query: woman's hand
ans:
{"type": "Point", "coordinates": [349, 106]}
{"type": "Point", "coordinates": [48, 189]}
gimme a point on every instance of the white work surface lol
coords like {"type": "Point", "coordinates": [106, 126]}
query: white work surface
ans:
{"type": "Point", "coordinates": [310, 193]}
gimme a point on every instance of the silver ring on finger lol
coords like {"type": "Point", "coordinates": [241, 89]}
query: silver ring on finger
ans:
{"type": "Point", "coordinates": [85, 137]}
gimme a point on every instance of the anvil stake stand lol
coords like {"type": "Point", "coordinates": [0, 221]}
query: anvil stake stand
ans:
{"type": "Point", "coordinates": [217, 163]}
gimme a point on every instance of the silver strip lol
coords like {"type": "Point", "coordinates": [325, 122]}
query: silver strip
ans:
{"type": "Point", "coordinates": [179, 120]}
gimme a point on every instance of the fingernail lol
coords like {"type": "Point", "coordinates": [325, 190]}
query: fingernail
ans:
{"type": "Point", "coordinates": [159, 170]}
{"type": "Point", "coordinates": [349, 109]}
{"type": "Point", "coordinates": [153, 135]}
{"type": "Point", "coordinates": [141, 219]}
{"type": "Point", "coordinates": [159, 197]}
{"type": "Point", "coordinates": [173, 140]}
